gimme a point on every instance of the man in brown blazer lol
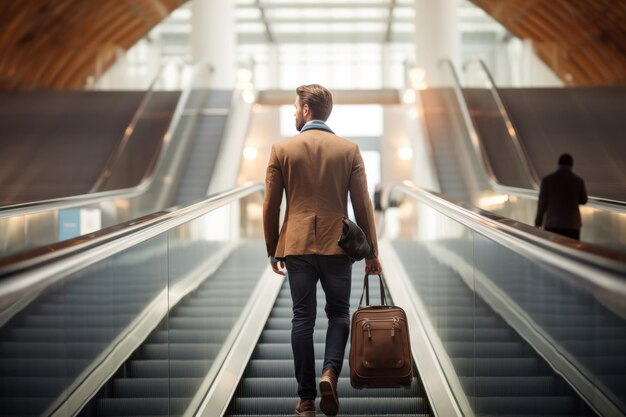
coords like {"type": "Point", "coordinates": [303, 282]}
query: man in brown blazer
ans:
{"type": "Point", "coordinates": [317, 170]}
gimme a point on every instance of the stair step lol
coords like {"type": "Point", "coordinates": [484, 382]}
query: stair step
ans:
{"type": "Point", "coordinates": [156, 387]}
{"type": "Point", "coordinates": [367, 406]}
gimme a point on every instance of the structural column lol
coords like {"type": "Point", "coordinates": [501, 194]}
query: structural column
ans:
{"type": "Point", "coordinates": [213, 39]}
{"type": "Point", "coordinates": [437, 35]}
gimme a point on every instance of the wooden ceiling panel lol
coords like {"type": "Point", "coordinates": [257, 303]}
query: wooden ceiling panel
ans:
{"type": "Point", "coordinates": [58, 44]}
{"type": "Point", "coordinates": [582, 41]}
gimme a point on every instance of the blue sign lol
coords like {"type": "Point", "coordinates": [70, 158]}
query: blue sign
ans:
{"type": "Point", "coordinates": [69, 223]}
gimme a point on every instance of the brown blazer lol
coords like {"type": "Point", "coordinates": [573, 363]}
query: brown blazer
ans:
{"type": "Point", "coordinates": [317, 170]}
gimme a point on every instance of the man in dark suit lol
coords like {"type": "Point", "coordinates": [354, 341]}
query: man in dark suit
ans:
{"type": "Point", "coordinates": [560, 194]}
{"type": "Point", "coordinates": [316, 169]}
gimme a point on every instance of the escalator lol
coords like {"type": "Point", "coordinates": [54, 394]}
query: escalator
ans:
{"type": "Point", "coordinates": [503, 164]}
{"type": "Point", "coordinates": [498, 370]}
{"type": "Point", "coordinates": [268, 387]}
{"type": "Point", "coordinates": [441, 134]}
{"type": "Point", "coordinates": [167, 370]}
{"type": "Point", "coordinates": [168, 155]}
{"type": "Point", "coordinates": [585, 122]}
{"type": "Point", "coordinates": [162, 320]}
{"type": "Point", "coordinates": [529, 327]}
{"type": "Point", "coordinates": [208, 131]}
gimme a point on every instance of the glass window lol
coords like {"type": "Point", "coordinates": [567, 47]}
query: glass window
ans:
{"type": "Point", "coordinates": [347, 121]}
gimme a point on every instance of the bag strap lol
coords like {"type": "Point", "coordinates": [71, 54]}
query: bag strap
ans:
{"type": "Point", "coordinates": [366, 291]}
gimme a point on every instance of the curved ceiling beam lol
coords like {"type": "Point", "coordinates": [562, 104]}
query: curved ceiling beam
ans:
{"type": "Point", "coordinates": [583, 42]}
{"type": "Point", "coordinates": [59, 44]}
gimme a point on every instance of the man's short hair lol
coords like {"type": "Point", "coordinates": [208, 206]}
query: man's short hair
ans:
{"type": "Point", "coordinates": [566, 160]}
{"type": "Point", "coordinates": [318, 98]}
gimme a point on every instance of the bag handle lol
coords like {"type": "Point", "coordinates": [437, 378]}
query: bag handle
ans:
{"type": "Point", "coordinates": [366, 291]}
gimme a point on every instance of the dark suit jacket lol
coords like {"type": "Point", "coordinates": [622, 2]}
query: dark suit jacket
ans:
{"type": "Point", "coordinates": [560, 194]}
{"type": "Point", "coordinates": [317, 170]}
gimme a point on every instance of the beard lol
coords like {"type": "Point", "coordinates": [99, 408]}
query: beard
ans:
{"type": "Point", "coordinates": [299, 124]}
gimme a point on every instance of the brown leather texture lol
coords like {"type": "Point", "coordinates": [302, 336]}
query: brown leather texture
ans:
{"type": "Point", "coordinates": [380, 350]}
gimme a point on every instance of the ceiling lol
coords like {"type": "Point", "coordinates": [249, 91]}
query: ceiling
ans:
{"type": "Point", "coordinates": [60, 44]}
{"type": "Point", "coordinates": [332, 21]}
{"type": "Point", "coordinates": [583, 41]}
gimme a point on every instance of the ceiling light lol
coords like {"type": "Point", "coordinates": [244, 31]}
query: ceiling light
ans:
{"type": "Point", "coordinates": [405, 153]}
{"type": "Point", "coordinates": [250, 153]}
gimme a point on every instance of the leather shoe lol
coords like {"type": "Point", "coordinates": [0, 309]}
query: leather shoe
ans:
{"type": "Point", "coordinates": [329, 403]}
{"type": "Point", "coordinates": [305, 408]}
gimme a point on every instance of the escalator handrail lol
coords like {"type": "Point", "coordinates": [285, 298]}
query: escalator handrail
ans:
{"type": "Point", "coordinates": [592, 266]}
{"type": "Point", "coordinates": [477, 144]}
{"type": "Point", "coordinates": [596, 272]}
{"type": "Point", "coordinates": [597, 202]}
{"type": "Point", "coordinates": [93, 198]}
{"type": "Point", "coordinates": [28, 273]}
{"type": "Point", "coordinates": [139, 113]}
{"type": "Point", "coordinates": [510, 126]}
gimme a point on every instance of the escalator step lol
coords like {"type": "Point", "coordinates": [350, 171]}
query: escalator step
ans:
{"type": "Point", "coordinates": [282, 351]}
{"type": "Point", "coordinates": [459, 311]}
{"type": "Point", "coordinates": [206, 311]}
{"type": "Point", "coordinates": [469, 322]}
{"type": "Point", "coordinates": [606, 365]}
{"type": "Point", "coordinates": [517, 386]}
{"type": "Point", "coordinates": [285, 387]}
{"type": "Point", "coordinates": [49, 387]}
{"type": "Point", "coordinates": [480, 335]}
{"type": "Point", "coordinates": [485, 350]}
{"type": "Point", "coordinates": [587, 333]}
{"type": "Point", "coordinates": [74, 321]}
{"type": "Point", "coordinates": [284, 336]}
{"type": "Point", "coordinates": [82, 350]}
{"type": "Point", "coordinates": [286, 313]}
{"type": "Point", "coordinates": [548, 406]}
{"type": "Point", "coordinates": [190, 336]}
{"type": "Point", "coordinates": [61, 335]}
{"type": "Point", "coordinates": [51, 367]}
{"type": "Point", "coordinates": [173, 368]}
{"type": "Point", "coordinates": [259, 368]}
{"type": "Point", "coordinates": [497, 366]}
{"type": "Point", "coordinates": [368, 406]}
{"type": "Point", "coordinates": [184, 351]}
{"type": "Point", "coordinates": [223, 322]}
{"type": "Point", "coordinates": [111, 407]}
{"type": "Point", "coordinates": [155, 387]}
{"type": "Point", "coordinates": [23, 406]}
{"type": "Point", "coordinates": [228, 301]}
{"type": "Point", "coordinates": [284, 323]}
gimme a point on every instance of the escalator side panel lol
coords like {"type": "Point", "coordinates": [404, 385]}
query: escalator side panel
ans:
{"type": "Point", "coordinates": [587, 122]}
{"type": "Point", "coordinates": [500, 372]}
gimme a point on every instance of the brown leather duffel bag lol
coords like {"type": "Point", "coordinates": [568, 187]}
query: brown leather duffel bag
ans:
{"type": "Point", "coordinates": [380, 350]}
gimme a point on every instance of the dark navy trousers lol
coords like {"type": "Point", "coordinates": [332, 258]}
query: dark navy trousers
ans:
{"type": "Point", "coordinates": [335, 275]}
